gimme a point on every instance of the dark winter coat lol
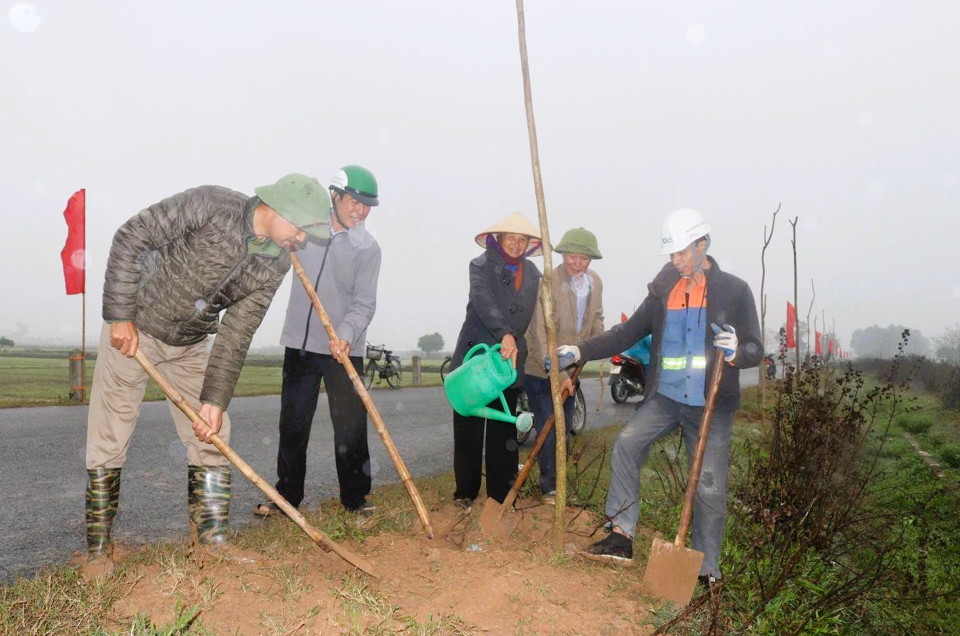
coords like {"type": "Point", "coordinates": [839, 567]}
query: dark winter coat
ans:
{"type": "Point", "coordinates": [729, 301]}
{"type": "Point", "coordinates": [495, 308]}
{"type": "Point", "coordinates": [176, 265]}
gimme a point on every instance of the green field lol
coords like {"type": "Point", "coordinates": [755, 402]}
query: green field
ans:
{"type": "Point", "coordinates": [41, 377]}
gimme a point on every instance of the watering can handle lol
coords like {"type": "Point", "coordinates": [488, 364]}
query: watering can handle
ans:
{"type": "Point", "coordinates": [477, 347]}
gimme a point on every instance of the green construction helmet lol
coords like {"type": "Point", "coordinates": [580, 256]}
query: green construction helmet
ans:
{"type": "Point", "coordinates": [358, 182]}
{"type": "Point", "coordinates": [579, 241]}
{"type": "Point", "coordinates": [301, 200]}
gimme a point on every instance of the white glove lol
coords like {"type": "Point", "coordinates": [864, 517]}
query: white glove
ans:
{"type": "Point", "coordinates": [567, 355]}
{"type": "Point", "coordinates": [725, 339]}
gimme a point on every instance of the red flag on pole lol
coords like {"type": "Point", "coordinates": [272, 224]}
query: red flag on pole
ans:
{"type": "Point", "coordinates": [73, 253]}
{"type": "Point", "coordinates": [623, 317]}
{"type": "Point", "coordinates": [819, 349]}
{"type": "Point", "coordinates": [791, 326]}
{"type": "Point", "coordinates": [830, 347]}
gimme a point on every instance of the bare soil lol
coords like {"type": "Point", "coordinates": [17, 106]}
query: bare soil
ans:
{"type": "Point", "coordinates": [461, 584]}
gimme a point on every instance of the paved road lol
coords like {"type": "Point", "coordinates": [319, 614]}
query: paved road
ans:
{"type": "Point", "coordinates": [42, 460]}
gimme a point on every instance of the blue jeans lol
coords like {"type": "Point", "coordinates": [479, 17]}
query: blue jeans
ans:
{"type": "Point", "coordinates": [655, 419]}
{"type": "Point", "coordinates": [541, 401]}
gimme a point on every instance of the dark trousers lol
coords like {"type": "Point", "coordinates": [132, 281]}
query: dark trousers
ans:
{"type": "Point", "coordinates": [541, 402]}
{"type": "Point", "coordinates": [502, 453]}
{"type": "Point", "coordinates": [302, 373]}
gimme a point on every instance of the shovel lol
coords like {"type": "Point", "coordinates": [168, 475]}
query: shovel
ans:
{"type": "Point", "coordinates": [367, 402]}
{"type": "Point", "coordinates": [672, 569]}
{"type": "Point", "coordinates": [494, 520]}
{"type": "Point", "coordinates": [177, 398]}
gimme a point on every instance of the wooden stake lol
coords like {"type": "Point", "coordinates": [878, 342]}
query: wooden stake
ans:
{"type": "Point", "coordinates": [367, 402]}
{"type": "Point", "coordinates": [546, 298]}
{"type": "Point", "coordinates": [177, 398]}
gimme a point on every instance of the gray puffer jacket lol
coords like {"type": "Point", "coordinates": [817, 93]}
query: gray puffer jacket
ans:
{"type": "Point", "coordinates": [176, 265]}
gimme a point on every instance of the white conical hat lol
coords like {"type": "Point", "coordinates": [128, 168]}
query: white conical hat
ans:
{"type": "Point", "coordinates": [516, 223]}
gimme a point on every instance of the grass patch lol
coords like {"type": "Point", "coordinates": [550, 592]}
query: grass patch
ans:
{"type": "Point", "coordinates": [915, 423]}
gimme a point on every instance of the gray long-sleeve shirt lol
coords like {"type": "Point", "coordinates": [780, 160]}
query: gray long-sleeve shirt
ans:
{"type": "Point", "coordinates": [347, 290]}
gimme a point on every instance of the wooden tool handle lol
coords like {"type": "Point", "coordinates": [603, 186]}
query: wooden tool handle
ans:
{"type": "Point", "coordinates": [367, 401]}
{"type": "Point", "coordinates": [541, 440]}
{"type": "Point", "coordinates": [694, 478]}
{"type": "Point", "coordinates": [177, 398]}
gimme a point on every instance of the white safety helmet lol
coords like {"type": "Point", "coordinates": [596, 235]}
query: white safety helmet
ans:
{"type": "Point", "coordinates": [681, 228]}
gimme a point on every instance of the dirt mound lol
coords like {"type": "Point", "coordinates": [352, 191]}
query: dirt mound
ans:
{"type": "Point", "coordinates": [460, 584]}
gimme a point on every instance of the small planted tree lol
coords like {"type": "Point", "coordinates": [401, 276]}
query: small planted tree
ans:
{"type": "Point", "coordinates": [430, 343]}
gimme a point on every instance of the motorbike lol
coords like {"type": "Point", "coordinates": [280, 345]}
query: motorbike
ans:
{"type": "Point", "coordinates": [770, 367]}
{"type": "Point", "coordinates": [575, 427]}
{"type": "Point", "coordinates": [627, 378]}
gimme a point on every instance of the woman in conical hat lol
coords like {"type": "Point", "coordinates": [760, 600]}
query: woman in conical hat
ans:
{"type": "Point", "coordinates": [503, 295]}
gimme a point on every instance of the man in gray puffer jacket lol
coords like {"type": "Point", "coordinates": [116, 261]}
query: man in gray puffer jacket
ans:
{"type": "Point", "coordinates": [173, 269]}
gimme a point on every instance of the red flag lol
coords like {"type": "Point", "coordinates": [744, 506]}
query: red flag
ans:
{"type": "Point", "coordinates": [819, 350]}
{"type": "Point", "coordinates": [830, 347]}
{"type": "Point", "coordinates": [73, 253]}
{"type": "Point", "coordinates": [791, 326]}
{"type": "Point", "coordinates": [623, 317]}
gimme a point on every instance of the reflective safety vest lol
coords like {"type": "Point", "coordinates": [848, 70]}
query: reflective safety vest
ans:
{"type": "Point", "coordinates": [683, 360]}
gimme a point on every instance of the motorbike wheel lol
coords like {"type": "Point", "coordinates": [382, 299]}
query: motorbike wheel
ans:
{"type": "Point", "coordinates": [579, 413]}
{"type": "Point", "coordinates": [620, 391]}
{"type": "Point", "coordinates": [523, 404]}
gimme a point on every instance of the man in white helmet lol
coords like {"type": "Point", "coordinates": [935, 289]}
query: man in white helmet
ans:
{"type": "Point", "coordinates": [691, 306]}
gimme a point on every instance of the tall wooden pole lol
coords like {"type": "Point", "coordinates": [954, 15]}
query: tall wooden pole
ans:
{"type": "Point", "coordinates": [796, 305]}
{"type": "Point", "coordinates": [763, 311]}
{"type": "Point", "coordinates": [546, 298]}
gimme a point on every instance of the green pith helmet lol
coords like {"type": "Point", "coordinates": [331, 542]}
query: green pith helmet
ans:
{"type": "Point", "coordinates": [302, 201]}
{"type": "Point", "coordinates": [358, 182]}
{"type": "Point", "coordinates": [579, 241]}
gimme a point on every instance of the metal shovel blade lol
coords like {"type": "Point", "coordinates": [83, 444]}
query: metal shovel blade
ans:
{"type": "Point", "coordinates": [672, 572]}
{"type": "Point", "coordinates": [493, 523]}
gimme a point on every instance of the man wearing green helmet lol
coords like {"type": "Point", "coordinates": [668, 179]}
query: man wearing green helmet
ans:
{"type": "Point", "coordinates": [578, 316]}
{"type": "Point", "coordinates": [174, 268]}
{"type": "Point", "coordinates": [345, 268]}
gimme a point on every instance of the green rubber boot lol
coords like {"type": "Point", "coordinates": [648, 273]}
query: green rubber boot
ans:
{"type": "Point", "coordinates": [102, 499]}
{"type": "Point", "coordinates": [209, 503]}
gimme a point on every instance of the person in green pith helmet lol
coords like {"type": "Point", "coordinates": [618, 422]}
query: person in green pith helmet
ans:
{"type": "Point", "coordinates": [202, 262]}
{"type": "Point", "coordinates": [578, 316]}
{"type": "Point", "coordinates": [344, 269]}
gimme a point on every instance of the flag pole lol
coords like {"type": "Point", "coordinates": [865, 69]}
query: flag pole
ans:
{"type": "Point", "coordinates": [83, 344]}
{"type": "Point", "coordinates": [83, 311]}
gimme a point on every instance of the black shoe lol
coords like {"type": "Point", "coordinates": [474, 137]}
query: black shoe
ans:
{"type": "Point", "coordinates": [614, 547]}
{"type": "Point", "coordinates": [707, 580]}
{"type": "Point", "coordinates": [364, 508]}
{"type": "Point", "coordinates": [463, 503]}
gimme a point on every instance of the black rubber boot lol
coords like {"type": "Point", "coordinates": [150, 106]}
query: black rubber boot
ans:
{"type": "Point", "coordinates": [102, 499]}
{"type": "Point", "coordinates": [208, 503]}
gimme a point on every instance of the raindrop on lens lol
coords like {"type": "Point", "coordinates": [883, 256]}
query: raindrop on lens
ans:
{"type": "Point", "coordinates": [696, 33]}
{"type": "Point", "coordinates": [24, 17]}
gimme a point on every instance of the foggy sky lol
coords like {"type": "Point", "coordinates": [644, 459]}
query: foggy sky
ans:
{"type": "Point", "coordinates": [846, 113]}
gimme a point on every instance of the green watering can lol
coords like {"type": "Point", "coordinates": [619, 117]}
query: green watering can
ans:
{"type": "Point", "coordinates": [481, 380]}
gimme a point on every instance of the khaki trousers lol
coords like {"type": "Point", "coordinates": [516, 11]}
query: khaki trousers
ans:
{"type": "Point", "coordinates": [119, 383]}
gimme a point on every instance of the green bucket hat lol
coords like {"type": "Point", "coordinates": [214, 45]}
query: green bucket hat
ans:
{"type": "Point", "coordinates": [579, 241]}
{"type": "Point", "coordinates": [302, 201]}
